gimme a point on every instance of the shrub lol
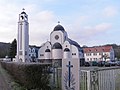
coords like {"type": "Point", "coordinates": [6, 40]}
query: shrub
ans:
{"type": "Point", "coordinates": [29, 75]}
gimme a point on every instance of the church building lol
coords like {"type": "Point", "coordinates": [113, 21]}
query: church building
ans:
{"type": "Point", "coordinates": [59, 47]}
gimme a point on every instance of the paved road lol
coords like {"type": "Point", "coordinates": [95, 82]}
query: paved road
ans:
{"type": "Point", "coordinates": [3, 80]}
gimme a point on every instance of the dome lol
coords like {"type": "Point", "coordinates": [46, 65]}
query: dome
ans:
{"type": "Point", "coordinates": [47, 50]}
{"type": "Point", "coordinates": [57, 46]}
{"type": "Point", "coordinates": [59, 28]}
{"type": "Point", "coordinates": [23, 12]}
{"type": "Point", "coordinates": [66, 50]}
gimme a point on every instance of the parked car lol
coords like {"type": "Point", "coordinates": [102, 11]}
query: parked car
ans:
{"type": "Point", "coordinates": [101, 63]}
{"type": "Point", "coordinates": [107, 64]}
{"type": "Point", "coordinates": [87, 64]}
{"type": "Point", "coordinates": [113, 63]}
{"type": "Point", "coordinates": [94, 63]}
{"type": "Point", "coordinates": [118, 63]}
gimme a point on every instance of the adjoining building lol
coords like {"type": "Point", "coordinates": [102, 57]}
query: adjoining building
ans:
{"type": "Point", "coordinates": [59, 45]}
{"type": "Point", "coordinates": [99, 53]}
{"type": "Point", "coordinates": [33, 53]}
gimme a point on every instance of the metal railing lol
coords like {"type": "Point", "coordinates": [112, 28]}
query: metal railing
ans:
{"type": "Point", "coordinates": [95, 79]}
{"type": "Point", "coordinates": [100, 79]}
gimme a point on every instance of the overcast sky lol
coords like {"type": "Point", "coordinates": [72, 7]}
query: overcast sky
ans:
{"type": "Point", "coordinates": [89, 22]}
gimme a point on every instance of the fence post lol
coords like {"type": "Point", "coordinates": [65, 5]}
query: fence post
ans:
{"type": "Point", "coordinates": [88, 80]}
{"type": "Point", "coordinates": [94, 80]}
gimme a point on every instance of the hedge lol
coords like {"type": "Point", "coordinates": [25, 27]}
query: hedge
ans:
{"type": "Point", "coordinates": [29, 75]}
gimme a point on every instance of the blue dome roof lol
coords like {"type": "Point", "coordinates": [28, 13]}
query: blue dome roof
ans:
{"type": "Point", "coordinates": [59, 28]}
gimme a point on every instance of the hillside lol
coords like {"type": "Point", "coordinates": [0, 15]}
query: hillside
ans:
{"type": "Point", "coordinates": [5, 47]}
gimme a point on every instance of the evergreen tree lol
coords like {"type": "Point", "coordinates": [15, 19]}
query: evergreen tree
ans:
{"type": "Point", "coordinates": [13, 49]}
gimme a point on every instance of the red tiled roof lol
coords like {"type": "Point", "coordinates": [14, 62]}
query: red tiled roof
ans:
{"type": "Point", "coordinates": [97, 49]}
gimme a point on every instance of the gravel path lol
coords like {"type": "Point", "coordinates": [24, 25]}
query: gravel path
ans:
{"type": "Point", "coordinates": [4, 80]}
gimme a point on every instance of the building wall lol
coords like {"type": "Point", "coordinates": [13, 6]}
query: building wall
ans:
{"type": "Point", "coordinates": [61, 38]}
{"type": "Point", "coordinates": [57, 51]}
{"type": "Point", "coordinates": [75, 53]}
{"type": "Point", "coordinates": [41, 51]}
{"type": "Point", "coordinates": [52, 37]}
{"type": "Point", "coordinates": [96, 56]}
{"type": "Point", "coordinates": [57, 54]}
{"type": "Point", "coordinates": [67, 54]}
{"type": "Point", "coordinates": [99, 56]}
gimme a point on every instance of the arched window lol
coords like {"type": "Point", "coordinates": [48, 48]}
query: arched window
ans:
{"type": "Point", "coordinates": [47, 50]}
{"type": "Point", "coordinates": [57, 46]}
{"type": "Point", "coordinates": [29, 49]}
{"type": "Point", "coordinates": [33, 50]}
{"type": "Point", "coordinates": [66, 50]}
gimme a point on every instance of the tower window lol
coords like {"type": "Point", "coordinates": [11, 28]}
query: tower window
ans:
{"type": "Point", "coordinates": [22, 17]}
{"type": "Point", "coordinates": [41, 54]}
{"type": "Point", "coordinates": [20, 52]}
{"type": "Point", "coordinates": [20, 60]}
{"type": "Point", "coordinates": [21, 24]}
{"type": "Point", "coordinates": [73, 53]}
{"type": "Point", "coordinates": [65, 37]}
{"type": "Point", "coordinates": [25, 52]}
{"type": "Point", "coordinates": [25, 17]}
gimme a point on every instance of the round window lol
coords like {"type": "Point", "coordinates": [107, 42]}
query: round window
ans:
{"type": "Point", "coordinates": [56, 37]}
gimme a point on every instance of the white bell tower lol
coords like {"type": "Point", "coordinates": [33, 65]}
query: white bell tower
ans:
{"type": "Point", "coordinates": [23, 38]}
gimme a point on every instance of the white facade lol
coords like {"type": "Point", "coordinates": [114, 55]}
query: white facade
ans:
{"type": "Point", "coordinates": [23, 38]}
{"type": "Point", "coordinates": [63, 52]}
{"type": "Point", "coordinates": [44, 47]}
{"type": "Point", "coordinates": [102, 53]}
{"type": "Point", "coordinates": [54, 50]}
{"type": "Point", "coordinates": [70, 67]}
